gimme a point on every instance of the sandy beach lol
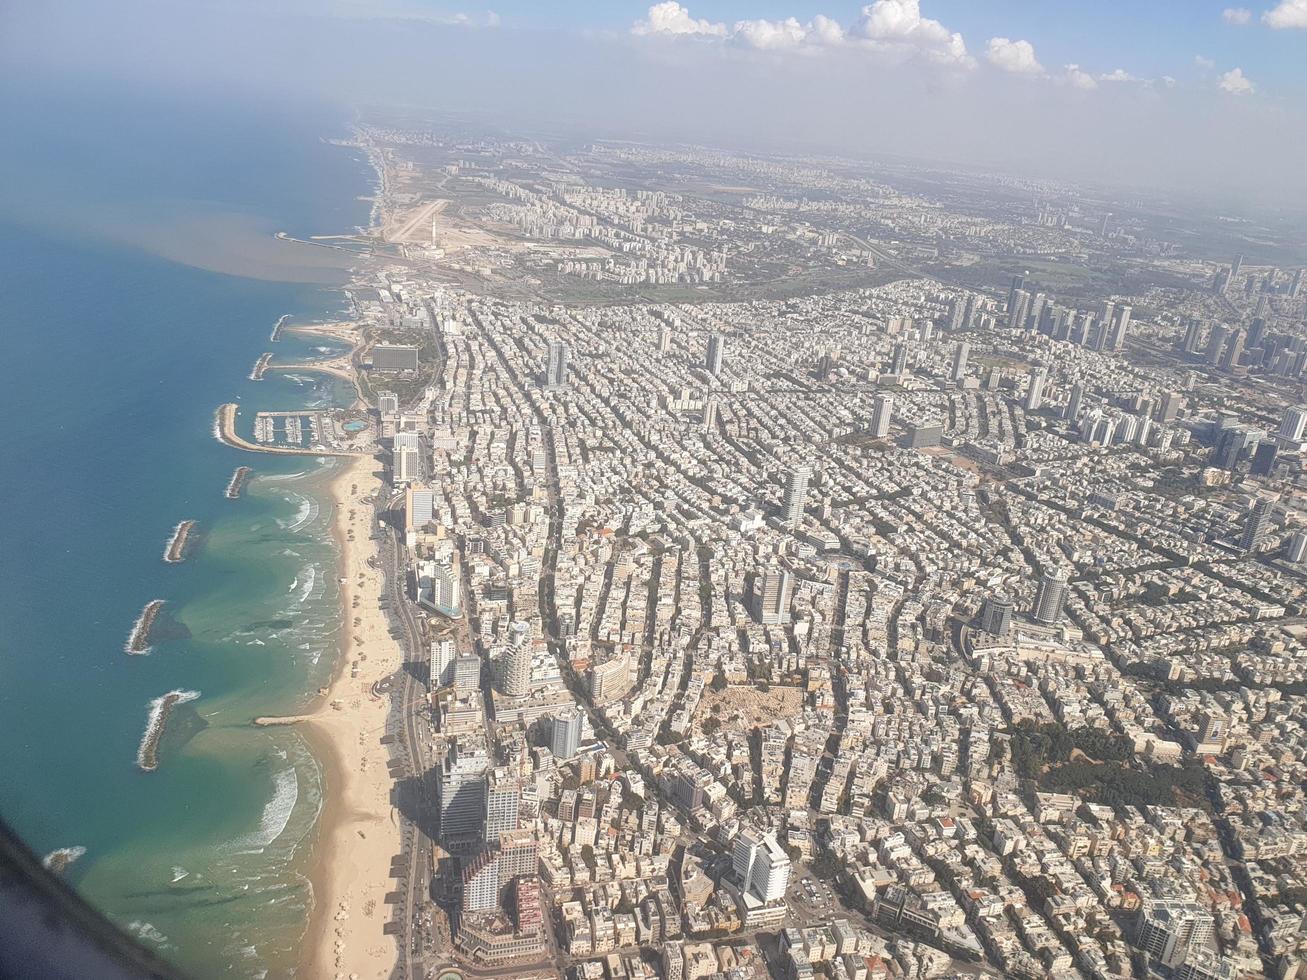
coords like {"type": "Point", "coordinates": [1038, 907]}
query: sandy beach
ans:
{"type": "Point", "coordinates": [359, 829]}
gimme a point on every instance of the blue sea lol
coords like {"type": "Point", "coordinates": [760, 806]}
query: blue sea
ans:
{"type": "Point", "coordinates": [141, 282]}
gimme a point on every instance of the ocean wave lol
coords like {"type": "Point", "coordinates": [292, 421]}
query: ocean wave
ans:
{"type": "Point", "coordinates": [281, 477]}
{"type": "Point", "coordinates": [306, 510]}
{"type": "Point", "coordinates": [178, 873]}
{"type": "Point", "coordinates": [147, 932]}
{"type": "Point", "coordinates": [276, 813]}
{"type": "Point", "coordinates": [305, 582]}
{"type": "Point", "coordinates": [59, 859]}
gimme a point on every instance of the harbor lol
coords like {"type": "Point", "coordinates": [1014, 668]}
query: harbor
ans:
{"type": "Point", "coordinates": [237, 482]}
{"type": "Point", "coordinates": [175, 550]}
{"type": "Point", "coordinates": [147, 756]}
{"type": "Point", "coordinates": [312, 432]}
{"type": "Point", "coordinates": [138, 641]}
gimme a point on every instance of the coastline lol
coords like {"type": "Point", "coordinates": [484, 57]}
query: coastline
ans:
{"type": "Point", "coordinates": [358, 829]}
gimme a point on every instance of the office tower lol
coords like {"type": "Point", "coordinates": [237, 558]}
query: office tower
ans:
{"type": "Point", "coordinates": [1264, 456]}
{"type": "Point", "coordinates": [1018, 309]}
{"type": "Point", "coordinates": [461, 791]}
{"type": "Point", "coordinates": [969, 317]}
{"type": "Point", "coordinates": [1237, 266]}
{"type": "Point", "coordinates": [387, 403]}
{"type": "Point", "coordinates": [1035, 392]}
{"type": "Point", "coordinates": [1122, 328]}
{"type": "Point", "coordinates": [771, 594]}
{"type": "Point", "coordinates": [1191, 334]}
{"type": "Point", "coordinates": [664, 339]}
{"type": "Point", "coordinates": [1171, 406]}
{"type": "Point", "coordinates": [1216, 344]}
{"type": "Point", "coordinates": [882, 411]}
{"type": "Point", "coordinates": [438, 587]}
{"type": "Point", "coordinates": [1257, 524]}
{"type": "Point", "coordinates": [1256, 332]}
{"type": "Point", "coordinates": [443, 654]}
{"type": "Point", "coordinates": [565, 733]}
{"type": "Point", "coordinates": [796, 493]}
{"type": "Point", "coordinates": [419, 506]}
{"type": "Point", "coordinates": [467, 673]}
{"type": "Point", "coordinates": [926, 331]}
{"type": "Point", "coordinates": [1106, 316]}
{"type": "Point", "coordinates": [1294, 424]}
{"type": "Point", "coordinates": [1297, 549]}
{"type": "Point", "coordinates": [761, 865]}
{"type": "Point", "coordinates": [1051, 597]}
{"type": "Point", "coordinates": [1018, 282]}
{"type": "Point", "coordinates": [481, 882]}
{"type": "Point", "coordinates": [503, 803]}
{"type": "Point", "coordinates": [1233, 352]}
{"type": "Point", "coordinates": [957, 313]}
{"type": "Point", "coordinates": [1234, 444]}
{"type": "Point", "coordinates": [1296, 288]}
{"type": "Point", "coordinates": [556, 365]}
{"type": "Point", "coordinates": [1073, 402]}
{"type": "Point", "coordinates": [960, 354]}
{"type": "Point", "coordinates": [899, 360]}
{"type": "Point", "coordinates": [515, 663]}
{"type": "Point", "coordinates": [519, 854]}
{"type": "Point", "coordinates": [996, 617]}
{"type": "Point", "coordinates": [716, 352]}
{"type": "Point", "coordinates": [1169, 930]}
{"type": "Point", "coordinates": [405, 458]}
{"type": "Point", "coordinates": [1036, 312]}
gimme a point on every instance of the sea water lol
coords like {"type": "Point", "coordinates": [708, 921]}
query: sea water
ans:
{"type": "Point", "coordinates": [141, 282]}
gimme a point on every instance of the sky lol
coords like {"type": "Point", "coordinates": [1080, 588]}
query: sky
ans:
{"type": "Point", "coordinates": [1188, 96]}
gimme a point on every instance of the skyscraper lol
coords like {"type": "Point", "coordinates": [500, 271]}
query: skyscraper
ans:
{"type": "Point", "coordinates": [716, 353]}
{"type": "Point", "coordinates": [1073, 402]}
{"type": "Point", "coordinates": [771, 596]}
{"type": "Point", "coordinates": [481, 882]}
{"type": "Point", "coordinates": [1256, 525]}
{"type": "Point", "coordinates": [796, 493]}
{"type": "Point", "coordinates": [406, 458]}
{"type": "Point", "coordinates": [443, 653]}
{"type": "Point", "coordinates": [960, 354]}
{"type": "Point", "coordinates": [503, 803]}
{"type": "Point", "coordinates": [1216, 343]}
{"type": "Point", "coordinates": [899, 360]}
{"type": "Point", "coordinates": [1018, 309]}
{"type": "Point", "coordinates": [1122, 328]}
{"type": "Point", "coordinates": [761, 865]}
{"type": "Point", "coordinates": [1018, 282]}
{"type": "Point", "coordinates": [1294, 424]}
{"type": "Point", "coordinates": [565, 734]}
{"type": "Point", "coordinates": [514, 663]}
{"type": "Point", "coordinates": [881, 413]}
{"type": "Point", "coordinates": [1051, 597]}
{"type": "Point", "coordinates": [556, 365]}
{"type": "Point", "coordinates": [996, 617]}
{"type": "Point", "coordinates": [461, 790]}
{"type": "Point", "coordinates": [1035, 392]}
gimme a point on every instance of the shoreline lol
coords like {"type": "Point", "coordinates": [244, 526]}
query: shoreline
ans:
{"type": "Point", "coordinates": [358, 829]}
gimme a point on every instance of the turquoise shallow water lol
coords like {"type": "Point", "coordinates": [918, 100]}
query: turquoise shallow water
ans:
{"type": "Point", "coordinates": [117, 359]}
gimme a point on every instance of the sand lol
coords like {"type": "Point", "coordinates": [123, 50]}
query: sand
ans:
{"type": "Point", "coordinates": [359, 831]}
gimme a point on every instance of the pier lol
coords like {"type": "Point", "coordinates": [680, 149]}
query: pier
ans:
{"type": "Point", "coordinates": [237, 482]}
{"type": "Point", "coordinates": [138, 642]}
{"type": "Point", "coordinates": [276, 329]}
{"type": "Point", "coordinates": [147, 756]}
{"type": "Point", "coordinates": [260, 366]}
{"type": "Point", "coordinates": [175, 551]}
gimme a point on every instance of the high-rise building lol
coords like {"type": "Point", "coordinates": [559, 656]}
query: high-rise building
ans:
{"type": "Point", "coordinates": [996, 617]}
{"type": "Point", "coordinates": [1233, 352]}
{"type": "Point", "coordinates": [514, 663]}
{"type": "Point", "coordinates": [716, 353]}
{"type": "Point", "coordinates": [709, 421]}
{"type": "Point", "coordinates": [1172, 404]}
{"type": "Point", "coordinates": [1018, 309]}
{"type": "Point", "coordinates": [1256, 525]}
{"type": "Point", "coordinates": [881, 413]}
{"type": "Point", "coordinates": [419, 507]}
{"type": "Point", "coordinates": [1169, 930]}
{"type": "Point", "coordinates": [899, 360]}
{"type": "Point", "coordinates": [1018, 282]}
{"type": "Point", "coordinates": [565, 733]}
{"type": "Point", "coordinates": [503, 803]}
{"type": "Point", "coordinates": [1297, 548]}
{"type": "Point", "coordinates": [664, 339]}
{"type": "Point", "coordinates": [443, 654]}
{"type": "Point", "coordinates": [406, 452]}
{"type": "Point", "coordinates": [960, 354]}
{"type": "Point", "coordinates": [1051, 597]}
{"type": "Point", "coordinates": [467, 673]}
{"type": "Point", "coordinates": [1236, 267]}
{"type": "Point", "coordinates": [796, 494]}
{"type": "Point", "coordinates": [1035, 392]}
{"type": "Point", "coordinates": [1074, 399]}
{"type": "Point", "coordinates": [1216, 344]}
{"type": "Point", "coordinates": [556, 365]}
{"type": "Point", "coordinates": [481, 882]}
{"type": "Point", "coordinates": [519, 854]}
{"type": "Point", "coordinates": [461, 791]}
{"type": "Point", "coordinates": [387, 403]}
{"type": "Point", "coordinates": [761, 865]}
{"type": "Point", "coordinates": [1121, 328]}
{"type": "Point", "coordinates": [771, 595]}
{"type": "Point", "coordinates": [1192, 334]}
{"type": "Point", "coordinates": [1294, 424]}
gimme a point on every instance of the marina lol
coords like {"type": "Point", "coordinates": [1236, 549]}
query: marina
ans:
{"type": "Point", "coordinates": [138, 641]}
{"type": "Point", "coordinates": [237, 482]}
{"type": "Point", "coordinates": [147, 756]}
{"type": "Point", "coordinates": [175, 550]}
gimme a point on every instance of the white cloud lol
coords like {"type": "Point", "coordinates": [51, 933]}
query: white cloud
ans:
{"type": "Point", "coordinates": [899, 22]}
{"type": "Point", "coordinates": [1235, 83]}
{"type": "Point", "coordinates": [671, 18]}
{"type": "Point", "coordinates": [1238, 16]}
{"type": "Point", "coordinates": [1289, 13]}
{"type": "Point", "coordinates": [789, 33]}
{"type": "Point", "coordinates": [1167, 81]}
{"type": "Point", "coordinates": [1014, 56]}
{"type": "Point", "coordinates": [1206, 64]}
{"type": "Point", "coordinates": [1079, 79]}
{"type": "Point", "coordinates": [825, 30]}
{"type": "Point", "coordinates": [1117, 75]}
